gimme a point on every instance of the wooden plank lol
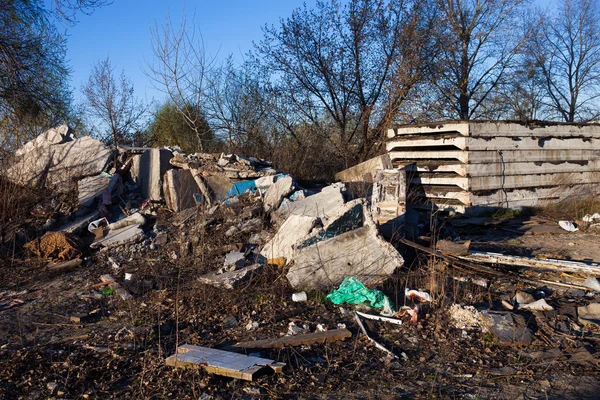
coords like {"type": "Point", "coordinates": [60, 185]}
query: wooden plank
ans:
{"type": "Point", "coordinates": [220, 362]}
{"type": "Point", "coordinates": [533, 263]}
{"type": "Point", "coordinates": [297, 340]}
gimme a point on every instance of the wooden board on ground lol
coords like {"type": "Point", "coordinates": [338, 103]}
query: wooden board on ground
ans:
{"type": "Point", "coordinates": [221, 362]}
{"type": "Point", "coordinates": [297, 340]}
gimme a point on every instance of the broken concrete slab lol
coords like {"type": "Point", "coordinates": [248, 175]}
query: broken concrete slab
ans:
{"type": "Point", "coordinates": [590, 314]}
{"type": "Point", "coordinates": [220, 362]}
{"type": "Point", "coordinates": [179, 187]}
{"type": "Point", "coordinates": [361, 253]}
{"type": "Point", "coordinates": [57, 160]}
{"type": "Point", "coordinates": [277, 192]}
{"type": "Point", "coordinates": [230, 279]}
{"type": "Point", "coordinates": [148, 169]}
{"type": "Point", "coordinates": [297, 340]}
{"type": "Point", "coordinates": [119, 237]}
{"type": "Point", "coordinates": [79, 224]}
{"type": "Point", "coordinates": [348, 217]}
{"type": "Point", "coordinates": [320, 205]}
{"type": "Point", "coordinates": [365, 171]}
{"type": "Point", "coordinates": [91, 188]}
{"type": "Point", "coordinates": [292, 231]}
{"type": "Point", "coordinates": [136, 219]}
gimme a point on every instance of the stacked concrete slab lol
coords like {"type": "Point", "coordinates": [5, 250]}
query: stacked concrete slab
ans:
{"type": "Point", "coordinates": [469, 166]}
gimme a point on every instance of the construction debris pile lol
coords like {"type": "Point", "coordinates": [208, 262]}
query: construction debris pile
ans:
{"type": "Point", "coordinates": [227, 267]}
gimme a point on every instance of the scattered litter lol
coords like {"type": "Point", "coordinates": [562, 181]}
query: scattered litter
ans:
{"type": "Point", "coordinates": [294, 329]}
{"type": "Point", "coordinates": [352, 291]}
{"type": "Point", "coordinates": [379, 346]}
{"type": "Point", "coordinates": [568, 226]}
{"type": "Point", "coordinates": [539, 305]}
{"type": "Point", "coordinates": [221, 362]}
{"type": "Point", "coordinates": [252, 326]}
{"type": "Point", "coordinates": [299, 297]}
{"type": "Point", "coordinates": [417, 295]}
{"type": "Point", "coordinates": [230, 279]}
{"type": "Point", "coordinates": [380, 318]}
{"type": "Point", "coordinates": [591, 218]}
{"type": "Point", "coordinates": [509, 328]}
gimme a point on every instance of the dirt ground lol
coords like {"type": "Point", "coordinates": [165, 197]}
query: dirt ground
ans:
{"type": "Point", "coordinates": [120, 352]}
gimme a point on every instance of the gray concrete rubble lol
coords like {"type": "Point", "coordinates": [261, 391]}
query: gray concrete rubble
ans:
{"type": "Point", "coordinates": [119, 237]}
{"type": "Point", "coordinates": [179, 187]}
{"type": "Point", "coordinates": [291, 232]}
{"type": "Point", "coordinates": [92, 188]}
{"type": "Point", "coordinates": [231, 279]}
{"type": "Point", "coordinates": [56, 158]}
{"type": "Point", "coordinates": [148, 169]}
{"type": "Point", "coordinates": [365, 171]}
{"type": "Point", "coordinates": [277, 192]}
{"type": "Point", "coordinates": [361, 253]}
{"type": "Point", "coordinates": [320, 205]}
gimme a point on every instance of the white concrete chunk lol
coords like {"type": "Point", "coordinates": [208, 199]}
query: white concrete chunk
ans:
{"type": "Point", "coordinates": [277, 192]}
{"type": "Point", "coordinates": [321, 205]}
{"type": "Point", "coordinates": [360, 253]}
{"type": "Point", "coordinates": [292, 231]}
{"type": "Point", "coordinates": [56, 160]}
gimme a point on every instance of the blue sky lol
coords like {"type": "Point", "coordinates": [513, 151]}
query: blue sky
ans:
{"type": "Point", "coordinates": [122, 32]}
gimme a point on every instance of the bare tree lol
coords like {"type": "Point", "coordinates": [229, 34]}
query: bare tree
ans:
{"type": "Point", "coordinates": [180, 68]}
{"type": "Point", "coordinates": [568, 52]}
{"type": "Point", "coordinates": [110, 101]}
{"type": "Point", "coordinates": [479, 39]}
{"type": "Point", "coordinates": [348, 69]}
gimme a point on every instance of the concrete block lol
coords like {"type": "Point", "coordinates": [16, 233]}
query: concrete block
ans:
{"type": "Point", "coordinates": [360, 253]}
{"type": "Point", "coordinates": [321, 205]}
{"type": "Point", "coordinates": [148, 170]}
{"type": "Point", "coordinates": [292, 231]}
{"type": "Point", "coordinates": [277, 192]}
{"type": "Point", "coordinates": [348, 217]}
{"type": "Point", "coordinates": [365, 171]}
{"type": "Point", "coordinates": [119, 237]}
{"type": "Point", "coordinates": [179, 187]}
{"type": "Point", "coordinates": [56, 160]}
{"type": "Point", "coordinates": [91, 188]}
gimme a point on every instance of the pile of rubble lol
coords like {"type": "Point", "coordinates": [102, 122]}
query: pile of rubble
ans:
{"type": "Point", "coordinates": [235, 219]}
{"type": "Point", "coordinates": [324, 237]}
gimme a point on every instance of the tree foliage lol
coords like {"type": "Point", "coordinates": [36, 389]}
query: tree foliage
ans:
{"type": "Point", "coordinates": [170, 128]}
{"type": "Point", "coordinates": [33, 71]}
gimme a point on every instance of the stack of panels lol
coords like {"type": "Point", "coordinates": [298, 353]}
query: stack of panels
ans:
{"type": "Point", "coordinates": [466, 166]}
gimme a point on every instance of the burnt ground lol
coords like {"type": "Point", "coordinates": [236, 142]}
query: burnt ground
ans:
{"type": "Point", "coordinates": [120, 353]}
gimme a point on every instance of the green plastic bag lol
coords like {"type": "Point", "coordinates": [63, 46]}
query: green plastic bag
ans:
{"type": "Point", "coordinates": [352, 291]}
